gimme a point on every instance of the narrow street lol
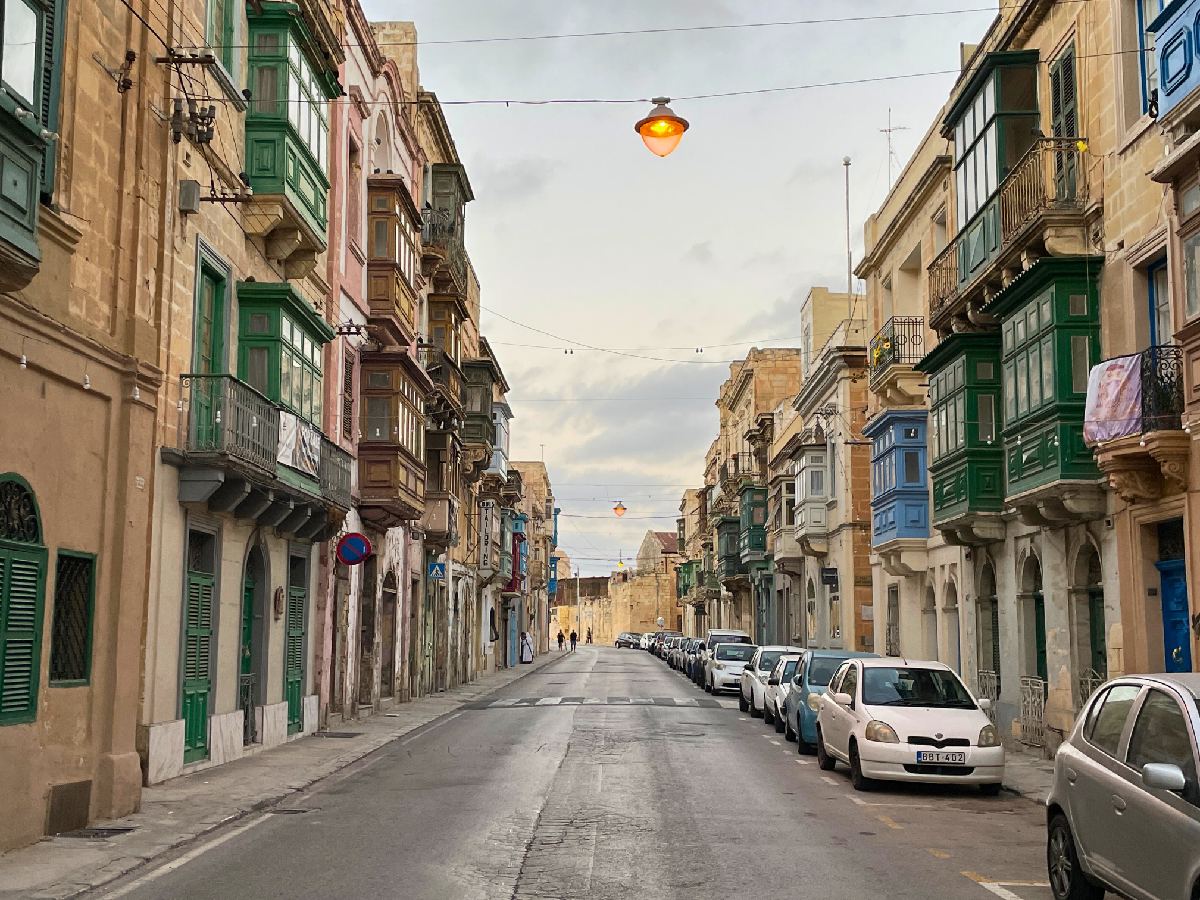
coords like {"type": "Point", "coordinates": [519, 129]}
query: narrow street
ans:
{"type": "Point", "coordinates": [605, 774]}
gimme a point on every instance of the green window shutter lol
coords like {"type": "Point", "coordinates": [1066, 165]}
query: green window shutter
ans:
{"type": "Point", "coordinates": [53, 25]}
{"type": "Point", "coordinates": [1064, 120]}
{"type": "Point", "coordinates": [22, 585]}
{"type": "Point", "coordinates": [197, 664]}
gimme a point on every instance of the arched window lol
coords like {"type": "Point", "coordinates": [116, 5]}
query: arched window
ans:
{"type": "Point", "coordinates": [22, 588]}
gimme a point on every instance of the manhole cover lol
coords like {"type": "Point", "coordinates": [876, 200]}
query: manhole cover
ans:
{"type": "Point", "coordinates": [338, 734]}
{"type": "Point", "coordinates": [288, 812]}
{"type": "Point", "coordinates": [99, 833]}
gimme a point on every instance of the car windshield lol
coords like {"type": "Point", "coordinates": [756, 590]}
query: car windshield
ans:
{"type": "Point", "coordinates": [767, 661]}
{"type": "Point", "coordinates": [913, 686]}
{"type": "Point", "coordinates": [821, 669]}
{"type": "Point", "coordinates": [735, 652]}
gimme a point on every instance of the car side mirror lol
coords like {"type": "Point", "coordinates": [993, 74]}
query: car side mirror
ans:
{"type": "Point", "coordinates": [985, 704]}
{"type": "Point", "coordinates": [796, 681]}
{"type": "Point", "coordinates": [842, 699]}
{"type": "Point", "coordinates": [772, 681]}
{"type": "Point", "coordinates": [1163, 777]}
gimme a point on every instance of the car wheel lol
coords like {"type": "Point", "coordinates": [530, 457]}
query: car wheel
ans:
{"type": "Point", "coordinates": [768, 717]}
{"type": "Point", "coordinates": [803, 747]}
{"type": "Point", "coordinates": [755, 712]}
{"type": "Point", "coordinates": [708, 688]}
{"type": "Point", "coordinates": [1067, 878]}
{"type": "Point", "coordinates": [824, 760]}
{"type": "Point", "coordinates": [990, 790]}
{"type": "Point", "coordinates": [789, 733]}
{"type": "Point", "coordinates": [860, 781]}
{"type": "Point", "coordinates": [777, 718]}
{"type": "Point", "coordinates": [742, 704]}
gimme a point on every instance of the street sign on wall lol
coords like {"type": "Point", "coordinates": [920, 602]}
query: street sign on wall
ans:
{"type": "Point", "coordinates": [353, 548]}
{"type": "Point", "coordinates": [437, 571]}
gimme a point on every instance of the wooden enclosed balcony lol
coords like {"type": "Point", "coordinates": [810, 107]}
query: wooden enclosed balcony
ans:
{"type": "Point", "coordinates": [1038, 210]}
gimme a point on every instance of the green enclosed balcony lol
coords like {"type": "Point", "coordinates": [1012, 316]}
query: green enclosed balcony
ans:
{"type": "Point", "coordinates": [752, 539]}
{"type": "Point", "coordinates": [685, 578]}
{"type": "Point", "coordinates": [287, 136]}
{"type": "Point", "coordinates": [968, 466]}
{"type": "Point", "coordinates": [729, 556]}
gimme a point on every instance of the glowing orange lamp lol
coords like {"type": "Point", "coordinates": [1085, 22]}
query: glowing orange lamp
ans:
{"type": "Point", "coordinates": [662, 130]}
{"type": "Point", "coordinates": [619, 509]}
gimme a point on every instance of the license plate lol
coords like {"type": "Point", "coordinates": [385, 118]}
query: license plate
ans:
{"type": "Point", "coordinates": [942, 757]}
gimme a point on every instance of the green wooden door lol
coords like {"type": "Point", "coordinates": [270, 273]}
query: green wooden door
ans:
{"type": "Point", "coordinates": [1039, 635]}
{"type": "Point", "coordinates": [197, 664]}
{"type": "Point", "coordinates": [247, 649]}
{"type": "Point", "coordinates": [22, 582]}
{"type": "Point", "coordinates": [1064, 122]}
{"type": "Point", "coordinates": [1099, 640]}
{"type": "Point", "coordinates": [293, 659]}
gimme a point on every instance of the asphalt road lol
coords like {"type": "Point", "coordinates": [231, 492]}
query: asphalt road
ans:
{"type": "Point", "coordinates": [605, 775]}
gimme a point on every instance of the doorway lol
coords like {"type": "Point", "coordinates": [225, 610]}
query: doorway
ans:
{"type": "Point", "coordinates": [1172, 574]}
{"type": "Point", "coordinates": [387, 626]}
{"type": "Point", "coordinates": [953, 636]}
{"type": "Point", "coordinates": [341, 617]}
{"type": "Point", "coordinates": [929, 624]}
{"type": "Point", "coordinates": [253, 633]}
{"type": "Point", "coordinates": [366, 633]}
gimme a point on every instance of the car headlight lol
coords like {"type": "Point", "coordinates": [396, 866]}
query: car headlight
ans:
{"type": "Point", "coordinates": [988, 736]}
{"type": "Point", "coordinates": [881, 732]}
{"type": "Point", "coordinates": [814, 702]}
{"type": "Point", "coordinates": [718, 665]}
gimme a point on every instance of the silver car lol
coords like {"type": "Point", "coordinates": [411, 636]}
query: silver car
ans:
{"type": "Point", "coordinates": [1123, 813]}
{"type": "Point", "coordinates": [723, 670]}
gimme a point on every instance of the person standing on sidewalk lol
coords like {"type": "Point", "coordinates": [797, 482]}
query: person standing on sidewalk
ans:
{"type": "Point", "coordinates": [561, 638]}
{"type": "Point", "coordinates": [526, 648]}
{"type": "Point", "coordinates": [574, 640]}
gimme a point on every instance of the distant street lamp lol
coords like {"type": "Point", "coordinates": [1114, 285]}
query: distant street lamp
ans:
{"type": "Point", "coordinates": [619, 509]}
{"type": "Point", "coordinates": [662, 130]}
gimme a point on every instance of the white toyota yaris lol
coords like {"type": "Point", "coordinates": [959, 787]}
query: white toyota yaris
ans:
{"type": "Point", "coordinates": [901, 720]}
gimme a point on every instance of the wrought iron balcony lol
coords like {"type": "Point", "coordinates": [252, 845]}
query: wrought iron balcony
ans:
{"type": "Point", "coordinates": [443, 372]}
{"type": "Point", "coordinates": [442, 240]}
{"type": "Point", "coordinates": [231, 452]}
{"type": "Point", "coordinates": [1047, 187]}
{"type": "Point", "coordinates": [1162, 388]}
{"type": "Point", "coordinates": [900, 342]}
{"type": "Point", "coordinates": [737, 467]}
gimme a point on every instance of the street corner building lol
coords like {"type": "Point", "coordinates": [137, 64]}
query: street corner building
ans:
{"type": "Point", "coordinates": [238, 324]}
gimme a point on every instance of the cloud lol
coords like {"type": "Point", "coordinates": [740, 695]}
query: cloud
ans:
{"type": "Point", "coordinates": [511, 181]}
{"type": "Point", "coordinates": [700, 253]}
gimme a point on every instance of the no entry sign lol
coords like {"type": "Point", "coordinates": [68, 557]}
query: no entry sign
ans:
{"type": "Point", "coordinates": [353, 549]}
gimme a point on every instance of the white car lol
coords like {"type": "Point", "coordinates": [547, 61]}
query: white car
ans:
{"type": "Point", "coordinates": [644, 640]}
{"type": "Point", "coordinates": [779, 683]}
{"type": "Point", "coordinates": [901, 720]}
{"type": "Point", "coordinates": [754, 677]}
{"type": "Point", "coordinates": [723, 670]}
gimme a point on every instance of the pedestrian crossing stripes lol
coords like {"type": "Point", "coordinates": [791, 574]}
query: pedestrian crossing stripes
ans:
{"type": "Point", "coordinates": [525, 702]}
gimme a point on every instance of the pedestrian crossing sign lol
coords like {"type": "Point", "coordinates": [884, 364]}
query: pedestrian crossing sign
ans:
{"type": "Point", "coordinates": [437, 571]}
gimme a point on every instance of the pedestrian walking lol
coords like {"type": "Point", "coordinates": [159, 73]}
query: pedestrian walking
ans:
{"type": "Point", "coordinates": [561, 638]}
{"type": "Point", "coordinates": [589, 637]}
{"type": "Point", "coordinates": [526, 648]}
{"type": "Point", "coordinates": [574, 640]}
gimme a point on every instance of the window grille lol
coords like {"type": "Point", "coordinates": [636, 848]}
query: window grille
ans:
{"type": "Point", "coordinates": [70, 655]}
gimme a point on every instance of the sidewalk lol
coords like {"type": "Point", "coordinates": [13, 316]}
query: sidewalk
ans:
{"type": "Point", "coordinates": [1028, 775]}
{"type": "Point", "coordinates": [179, 811]}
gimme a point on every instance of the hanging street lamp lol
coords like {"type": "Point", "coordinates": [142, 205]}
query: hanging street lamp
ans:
{"type": "Point", "coordinates": [661, 130]}
{"type": "Point", "coordinates": [619, 509]}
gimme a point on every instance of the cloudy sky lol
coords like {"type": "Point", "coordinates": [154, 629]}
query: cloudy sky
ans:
{"type": "Point", "coordinates": [579, 231]}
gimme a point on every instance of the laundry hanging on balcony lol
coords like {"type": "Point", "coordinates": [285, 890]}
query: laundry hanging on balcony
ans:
{"type": "Point", "coordinates": [299, 444]}
{"type": "Point", "coordinates": [1114, 400]}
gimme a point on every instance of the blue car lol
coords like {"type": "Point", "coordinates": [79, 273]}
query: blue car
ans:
{"type": "Point", "coordinates": [803, 700]}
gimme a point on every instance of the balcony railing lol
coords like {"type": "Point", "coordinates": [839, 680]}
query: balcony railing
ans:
{"type": "Point", "coordinates": [1162, 388]}
{"type": "Point", "coordinates": [1050, 177]}
{"type": "Point", "coordinates": [738, 465]}
{"type": "Point", "coordinates": [901, 341]}
{"type": "Point", "coordinates": [227, 417]}
{"type": "Point", "coordinates": [442, 232]}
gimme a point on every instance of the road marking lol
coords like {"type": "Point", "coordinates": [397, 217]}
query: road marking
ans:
{"type": "Point", "coordinates": [185, 859]}
{"type": "Point", "coordinates": [1001, 888]}
{"type": "Point", "coordinates": [776, 743]}
{"type": "Point", "coordinates": [937, 854]}
{"type": "Point", "coordinates": [804, 762]}
{"type": "Point", "coordinates": [766, 737]}
{"type": "Point", "coordinates": [890, 823]}
{"type": "Point", "coordinates": [549, 701]}
{"type": "Point", "coordinates": [600, 778]}
{"type": "Point", "coordinates": [906, 805]}
{"type": "Point", "coordinates": [828, 780]}
{"type": "Point", "coordinates": [507, 701]}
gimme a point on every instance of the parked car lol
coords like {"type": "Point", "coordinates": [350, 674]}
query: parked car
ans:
{"type": "Point", "coordinates": [713, 637]}
{"type": "Point", "coordinates": [691, 652]}
{"type": "Point", "coordinates": [628, 639]}
{"type": "Point", "coordinates": [723, 668]}
{"type": "Point", "coordinates": [1123, 813]}
{"type": "Point", "coordinates": [901, 720]}
{"type": "Point", "coordinates": [644, 641]}
{"type": "Point", "coordinates": [677, 654]}
{"type": "Point", "coordinates": [804, 699]}
{"type": "Point", "coordinates": [665, 638]}
{"type": "Point", "coordinates": [700, 655]}
{"type": "Point", "coordinates": [779, 684]}
{"type": "Point", "coordinates": [754, 677]}
{"type": "Point", "coordinates": [671, 651]}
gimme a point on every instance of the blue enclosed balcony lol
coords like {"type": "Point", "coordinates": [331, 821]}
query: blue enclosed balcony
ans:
{"type": "Point", "coordinates": [899, 487]}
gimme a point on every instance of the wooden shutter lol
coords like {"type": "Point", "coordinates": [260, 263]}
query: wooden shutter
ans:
{"type": "Point", "coordinates": [293, 658]}
{"type": "Point", "coordinates": [1064, 121]}
{"type": "Point", "coordinates": [348, 396]}
{"type": "Point", "coordinates": [53, 20]}
{"type": "Point", "coordinates": [197, 664]}
{"type": "Point", "coordinates": [22, 583]}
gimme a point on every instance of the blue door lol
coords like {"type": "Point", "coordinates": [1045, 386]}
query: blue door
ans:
{"type": "Point", "coordinates": [513, 635]}
{"type": "Point", "coordinates": [1177, 644]}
